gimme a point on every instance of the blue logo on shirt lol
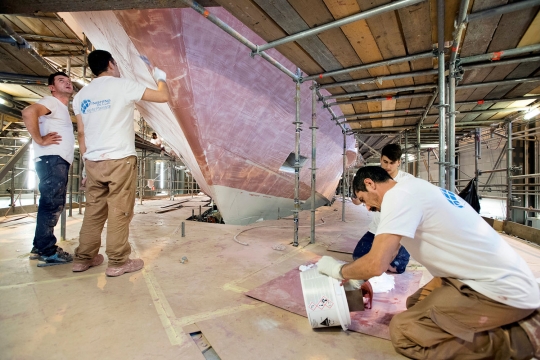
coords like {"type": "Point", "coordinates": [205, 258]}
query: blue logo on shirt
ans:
{"type": "Point", "coordinates": [89, 106]}
{"type": "Point", "coordinates": [451, 197]}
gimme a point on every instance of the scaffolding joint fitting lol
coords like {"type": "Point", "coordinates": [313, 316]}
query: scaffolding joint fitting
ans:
{"type": "Point", "coordinates": [255, 52]}
{"type": "Point", "coordinates": [516, 168]}
{"type": "Point", "coordinates": [441, 105]}
{"type": "Point", "coordinates": [314, 127]}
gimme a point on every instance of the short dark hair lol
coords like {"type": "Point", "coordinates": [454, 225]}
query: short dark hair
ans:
{"type": "Point", "coordinates": [98, 60]}
{"type": "Point", "coordinates": [392, 151]}
{"type": "Point", "coordinates": [50, 80]}
{"type": "Point", "coordinates": [376, 173]}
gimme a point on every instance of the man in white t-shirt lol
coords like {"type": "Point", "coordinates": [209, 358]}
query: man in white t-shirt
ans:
{"type": "Point", "coordinates": [486, 288]}
{"type": "Point", "coordinates": [104, 111]}
{"type": "Point", "coordinates": [49, 124]}
{"type": "Point", "coordinates": [390, 161]}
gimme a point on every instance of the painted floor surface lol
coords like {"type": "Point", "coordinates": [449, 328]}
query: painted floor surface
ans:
{"type": "Point", "coordinates": [53, 313]}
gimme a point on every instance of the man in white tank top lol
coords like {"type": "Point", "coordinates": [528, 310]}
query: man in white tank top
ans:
{"type": "Point", "coordinates": [49, 123]}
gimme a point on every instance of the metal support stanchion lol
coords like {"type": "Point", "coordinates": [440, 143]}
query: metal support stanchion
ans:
{"type": "Point", "coordinates": [406, 151]}
{"type": "Point", "coordinates": [442, 97]}
{"type": "Point", "coordinates": [298, 128]}
{"type": "Point", "coordinates": [183, 229]}
{"type": "Point", "coordinates": [313, 156]}
{"type": "Point", "coordinates": [343, 176]}
{"type": "Point", "coordinates": [509, 171]}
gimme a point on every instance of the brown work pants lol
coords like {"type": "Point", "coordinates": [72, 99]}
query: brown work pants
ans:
{"type": "Point", "coordinates": [448, 320]}
{"type": "Point", "coordinates": [110, 196]}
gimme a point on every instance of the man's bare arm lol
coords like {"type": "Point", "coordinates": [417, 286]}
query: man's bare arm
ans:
{"type": "Point", "coordinates": [30, 116]}
{"type": "Point", "coordinates": [160, 95]}
{"type": "Point", "coordinates": [384, 250]}
{"type": "Point", "coordinates": [80, 134]}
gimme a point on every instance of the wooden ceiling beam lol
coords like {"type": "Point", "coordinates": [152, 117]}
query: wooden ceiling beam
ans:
{"type": "Point", "coordinates": [34, 6]}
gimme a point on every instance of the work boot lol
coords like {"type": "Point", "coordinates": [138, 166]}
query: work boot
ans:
{"type": "Point", "coordinates": [79, 267]}
{"type": "Point", "coordinates": [130, 266]}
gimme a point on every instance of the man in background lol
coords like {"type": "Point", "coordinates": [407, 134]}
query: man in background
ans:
{"type": "Point", "coordinates": [49, 124]}
{"type": "Point", "coordinates": [390, 161]}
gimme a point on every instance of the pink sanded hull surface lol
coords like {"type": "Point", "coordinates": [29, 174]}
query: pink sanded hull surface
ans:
{"type": "Point", "coordinates": [234, 112]}
{"type": "Point", "coordinates": [285, 292]}
{"type": "Point", "coordinates": [345, 245]}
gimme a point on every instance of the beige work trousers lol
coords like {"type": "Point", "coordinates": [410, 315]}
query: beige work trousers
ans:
{"type": "Point", "coordinates": [452, 321]}
{"type": "Point", "coordinates": [110, 196]}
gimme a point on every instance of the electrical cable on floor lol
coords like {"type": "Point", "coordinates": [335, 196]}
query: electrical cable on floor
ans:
{"type": "Point", "coordinates": [268, 226]}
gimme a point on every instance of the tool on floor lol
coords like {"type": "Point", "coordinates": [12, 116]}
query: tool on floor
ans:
{"type": "Point", "coordinates": [184, 259]}
{"type": "Point", "coordinates": [45, 264]}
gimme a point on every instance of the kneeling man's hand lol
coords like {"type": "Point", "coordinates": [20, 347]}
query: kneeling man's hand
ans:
{"type": "Point", "coordinates": [330, 266]}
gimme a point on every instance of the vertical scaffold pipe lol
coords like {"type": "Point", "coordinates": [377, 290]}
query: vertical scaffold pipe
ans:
{"type": "Point", "coordinates": [406, 151]}
{"type": "Point", "coordinates": [297, 162]}
{"type": "Point", "coordinates": [418, 155]}
{"type": "Point", "coordinates": [476, 155]}
{"type": "Point", "coordinates": [452, 131]}
{"type": "Point", "coordinates": [343, 176]}
{"type": "Point", "coordinates": [509, 171]}
{"type": "Point", "coordinates": [442, 110]}
{"type": "Point", "coordinates": [313, 156]}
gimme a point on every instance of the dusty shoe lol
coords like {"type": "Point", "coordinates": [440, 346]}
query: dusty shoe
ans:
{"type": "Point", "coordinates": [130, 266]}
{"type": "Point", "coordinates": [34, 254]}
{"type": "Point", "coordinates": [60, 257]}
{"type": "Point", "coordinates": [97, 260]}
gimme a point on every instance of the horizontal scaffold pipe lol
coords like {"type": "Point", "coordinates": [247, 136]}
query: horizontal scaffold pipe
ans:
{"type": "Point", "coordinates": [497, 83]}
{"type": "Point", "coordinates": [382, 129]}
{"type": "Point", "coordinates": [489, 101]}
{"type": "Point", "coordinates": [494, 56]}
{"type": "Point", "coordinates": [501, 62]}
{"type": "Point", "coordinates": [381, 91]}
{"type": "Point", "coordinates": [396, 112]}
{"type": "Point", "coordinates": [382, 118]}
{"type": "Point", "coordinates": [380, 79]}
{"type": "Point", "coordinates": [504, 9]}
{"type": "Point", "coordinates": [369, 66]}
{"type": "Point", "coordinates": [235, 34]}
{"type": "Point", "coordinates": [346, 20]}
{"type": "Point", "coordinates": [386, 98]}
{"type": "Point", "coordinates": [488, 111]}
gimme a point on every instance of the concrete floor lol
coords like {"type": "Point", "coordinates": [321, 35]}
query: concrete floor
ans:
{"type": "Point", "coordinates": [53, 313]}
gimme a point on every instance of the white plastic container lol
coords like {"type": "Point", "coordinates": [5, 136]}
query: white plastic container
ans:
{"type": "Point", "coordinates": [325, 300]}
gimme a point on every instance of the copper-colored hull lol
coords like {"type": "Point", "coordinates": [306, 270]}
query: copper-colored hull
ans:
{"type": "Point", "coordinates": [230, 116]}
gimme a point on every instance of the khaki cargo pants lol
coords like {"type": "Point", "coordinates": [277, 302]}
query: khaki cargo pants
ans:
{"type": "Point", "coordinates": [110, 196]}
{"type": "Point", "coordinates": [447, 319]}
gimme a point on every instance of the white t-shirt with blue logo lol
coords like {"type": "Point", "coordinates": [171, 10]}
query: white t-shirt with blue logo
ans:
{"type": "Point", "coordinates": [446, 235]}
{"type": "Point", "coordinates": [376, 219]}
{"type": "Point", "coordinates": [107, 106]}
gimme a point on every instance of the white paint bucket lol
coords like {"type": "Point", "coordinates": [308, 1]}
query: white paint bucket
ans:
{"type": "Point", "coordinates": [325, 300]}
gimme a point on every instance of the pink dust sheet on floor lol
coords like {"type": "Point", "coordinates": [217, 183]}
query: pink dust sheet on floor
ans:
{"type": "Point", "coordinates": [285, 292]}
{"type": "Point", "coordinates": [344, 245]}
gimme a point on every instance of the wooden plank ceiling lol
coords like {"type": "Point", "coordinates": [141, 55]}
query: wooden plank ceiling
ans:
{"type": "Point", "coordinates": [407, 31]}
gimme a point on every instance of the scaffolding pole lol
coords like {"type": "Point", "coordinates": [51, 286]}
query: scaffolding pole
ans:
{"type": "Point", "coordinates": [452, 131]}
{"type": "Point", "coordinates": [343, 176]}
{"type": "Point", "coordinates": [442, 109]}
{"type": "Point", "coordinates": [347, 20]}
{"type": "Point", "coordinates": [298, 128]}
{"type": "Point", "coordinates": [313, 156]}
{"type": "Point", "coordinates": [509, 171]}
{"type": "Point", "coordinates": [406, 151]}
